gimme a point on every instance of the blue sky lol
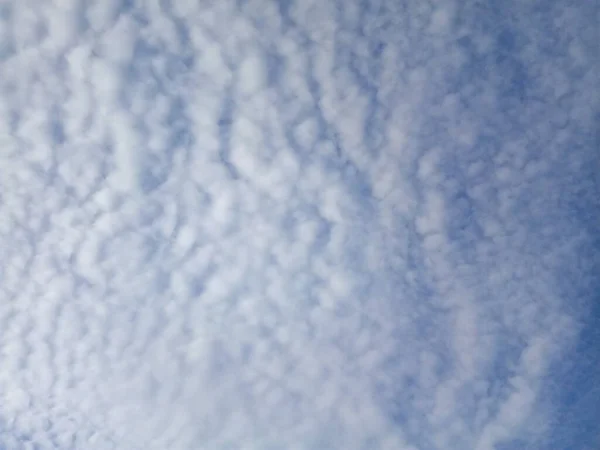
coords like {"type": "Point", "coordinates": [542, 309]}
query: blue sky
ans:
{"type": "Point", "coordinates": [262, 225]}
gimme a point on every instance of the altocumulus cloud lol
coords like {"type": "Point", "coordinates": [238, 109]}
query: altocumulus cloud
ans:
{"type": "Point", "coordinates": [302, 225]}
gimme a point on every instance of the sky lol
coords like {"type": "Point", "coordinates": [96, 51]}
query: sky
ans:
{"type": "Point", "coordinates": [299, 225]}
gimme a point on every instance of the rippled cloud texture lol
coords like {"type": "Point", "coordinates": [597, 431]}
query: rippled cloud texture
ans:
{"type": "Point", "coordinates": [322, 225]}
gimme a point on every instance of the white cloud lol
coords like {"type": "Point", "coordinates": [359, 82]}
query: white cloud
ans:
{"type": "Point", "coordinates": [246, 226]}
{"type": "Point", "coordinates": [127, 148]}
{"type": "Point", "coordinates": [251, 75]}
{"type": "Point", "coordinates": [117, 44]}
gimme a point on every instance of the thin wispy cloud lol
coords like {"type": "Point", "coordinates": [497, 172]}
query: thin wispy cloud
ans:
{"type": "Point", "coordinates": [331, 225]}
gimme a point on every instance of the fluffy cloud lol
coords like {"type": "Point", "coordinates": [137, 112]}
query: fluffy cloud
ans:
{"type": "Point", "coordinates": [263, 225]}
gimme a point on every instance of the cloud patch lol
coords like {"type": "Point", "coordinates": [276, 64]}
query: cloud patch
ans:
{"type": "Point", "coordinates": [309, 226]}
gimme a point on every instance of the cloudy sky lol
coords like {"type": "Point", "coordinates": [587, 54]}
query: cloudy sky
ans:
{"type": "Point", "coordinates": [299, 225]}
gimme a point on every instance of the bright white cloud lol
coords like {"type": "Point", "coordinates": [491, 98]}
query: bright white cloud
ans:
{"type": "Point", "coordinates": [315, 226]}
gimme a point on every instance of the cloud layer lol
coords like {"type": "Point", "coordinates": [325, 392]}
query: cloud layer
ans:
{"type": "Point", "coordinates": [332, 225]}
